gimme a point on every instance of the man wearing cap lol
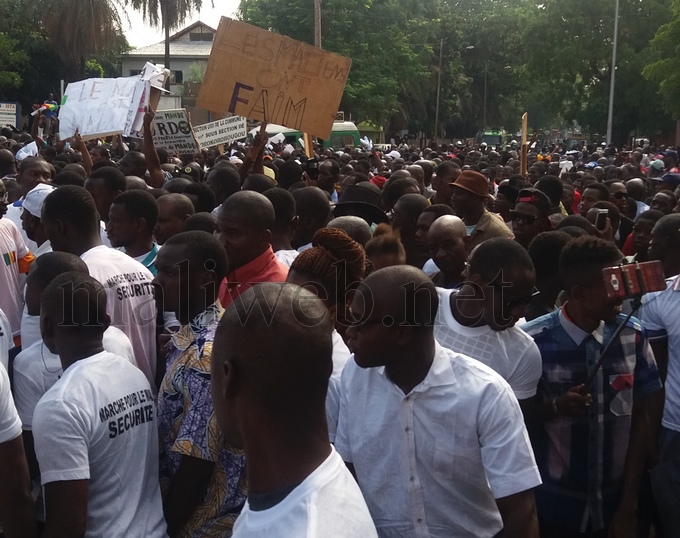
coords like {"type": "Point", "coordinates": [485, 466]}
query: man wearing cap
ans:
{"type": "Point", "coordinates": [32, 226]}
{"type": "Point", "coordinates": [670, 159]}
{"type": "Point", "coordinates": [530, 216]}
{"type": "Point", "coordinates": [668, 182]}
{"type": "Point", "coordinates": [470, 192]}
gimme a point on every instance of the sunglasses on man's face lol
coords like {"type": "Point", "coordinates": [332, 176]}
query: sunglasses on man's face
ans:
{"type": "Point", "coordinates": [511, 302]}
{"type": "Point", "coordinates": [620, 195]}
{"type": "Point", "coordinates": [525, 218]}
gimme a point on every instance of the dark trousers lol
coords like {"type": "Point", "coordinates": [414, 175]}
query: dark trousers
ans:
{"type": "Point", "coordinates": [665, 479]}
{"type": "Point", "coordinates": [551, 531]}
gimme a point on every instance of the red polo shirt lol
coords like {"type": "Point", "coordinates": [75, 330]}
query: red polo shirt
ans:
{"type": "Point", "coordinates": [264, 268]}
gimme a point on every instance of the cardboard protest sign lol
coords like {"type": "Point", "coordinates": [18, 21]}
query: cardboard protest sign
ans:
{"type": "Point", "coordinates": [265, 76]}
{"type": "Point", "coordinates": [100, 107]}
{"type": "Point", "coordinates": [221, 131]}
{"type": "Point", "coordinates": [172, 131]}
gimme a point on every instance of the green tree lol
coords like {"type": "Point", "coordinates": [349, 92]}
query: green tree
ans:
{"type": "Point", "coordinates": [11, 62]}
{"type": "Point", "coordinates": [93, 69]}
{"type": "Point", "coordinates": [79, 30]}
{"type": "Point", "coordinates": [665, 71]}
{"type": "Point", "coordinates": [567, 47]}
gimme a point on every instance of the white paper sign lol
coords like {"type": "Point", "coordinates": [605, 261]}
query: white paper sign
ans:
{"type": "Point", "coordinates": [221, 131]}
{"type": "Point", "coordinates": [100, 106]}
{"type": "Point", "coordinates": [172, 131]}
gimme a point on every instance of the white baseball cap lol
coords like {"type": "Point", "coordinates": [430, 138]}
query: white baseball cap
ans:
{"type": "Point", "coordinates": [34, 199]}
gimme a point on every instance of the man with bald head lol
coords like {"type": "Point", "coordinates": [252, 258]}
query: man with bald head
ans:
{"type": "Point", "coordinates": [637, 190]}
{"type": "Point", "coordinates": [173, 210]}
{"type": "Point", "coordinates": [133, 164]}
{"type": "Point", "coordinates": [449, 246]}
{"type": "Point", "coordinates": [418, 174]}
{"type": "Point", "coordinates": [8, 169]}
{"type": "Point", "coordinates": [405, 425]}
{"type": "Point", "coordinates": [245, 222]}
{"type": "Point", "coordinates": [271, 403]}
{"type": "Point", "coordinates": [355, 227]}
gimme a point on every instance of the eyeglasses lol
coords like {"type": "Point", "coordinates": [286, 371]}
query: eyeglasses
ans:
{"type": "Point", "coordinates": [513, 301]}
{"type": "Point", "coordinates": [620, 195]}
{"type": "Point", "coordinates": [525, 218]}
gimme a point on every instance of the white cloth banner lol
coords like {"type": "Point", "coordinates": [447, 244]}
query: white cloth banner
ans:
{"type": "Point", "coordinates": [100, 107]}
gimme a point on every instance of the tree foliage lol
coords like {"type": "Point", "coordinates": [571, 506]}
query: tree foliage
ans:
{"type": "Point", "coordinates": [665, 70]}
{"type": "Point", "coordinates": [11, 61]}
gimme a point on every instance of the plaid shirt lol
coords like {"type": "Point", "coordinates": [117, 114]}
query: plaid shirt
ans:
{"type": "Point", "coordinates": [582, 459]}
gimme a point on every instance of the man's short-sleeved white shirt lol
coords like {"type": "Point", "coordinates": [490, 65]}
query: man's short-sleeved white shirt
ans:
{"type": "Point", "coordinates": [6, 339]}
{"type": "Point", "coordinates": [341, 355]}
{"type": "Point", "coordinates": [328, 503]}
{"type": "Point", "coordinates": [98, 423]}
{"type": "Point", "coordinates": [512, 353]}
{"type": "Point", "coordinates": [130, 302]}
{"type": "Point", "coordinates": [432, 462]}
{"type": "Point", "coordinates": [10, 424]}
{"type": "Point", "coordinates": [660, 315]}
{"type": "Point", "coordinates": [36, 370]}
{"type": "Point", "coordinates": [286, 257]}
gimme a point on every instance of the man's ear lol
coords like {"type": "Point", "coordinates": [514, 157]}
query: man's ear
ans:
{"type": "Point", "coordinates": [266, 237]}
{"type": "Point", "coordinates": [140, 225]}
{"type": "Point", "coordinates": [230, 385]}
{"type": "Point", "coordinates": [404, 334]}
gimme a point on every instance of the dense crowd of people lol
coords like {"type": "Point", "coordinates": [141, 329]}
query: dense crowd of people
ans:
{"type": "Point", "coordinates": [250, 342]}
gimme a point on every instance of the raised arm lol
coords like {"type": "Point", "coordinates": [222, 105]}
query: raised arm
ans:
{"type": "Point", "coordinates": [153, 163]}
{"type": "Point", "coordinates": [255, 154]}
{"type": "Point", "coordinates": [87, 158]}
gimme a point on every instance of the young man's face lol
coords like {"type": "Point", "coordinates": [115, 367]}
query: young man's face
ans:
{"type": "Point", "coordinates": [371, 332]}
{"type": "Point", "coordinates": [121, 229]}
{"type": "Point", "coordinates": [597, 300]}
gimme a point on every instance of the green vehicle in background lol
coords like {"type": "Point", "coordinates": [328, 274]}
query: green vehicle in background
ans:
{"type": "Point", "coordinates": [495, 137]}
{"type": "Point", "coordinates": [343, 134]}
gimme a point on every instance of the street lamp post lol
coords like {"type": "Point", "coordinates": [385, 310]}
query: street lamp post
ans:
{"type": "Point", "coordinates": [486, 72]}
{"type": "Point", "coordinates": [439, 84]}
{"type": "Point", "coordinates": [610, 116]}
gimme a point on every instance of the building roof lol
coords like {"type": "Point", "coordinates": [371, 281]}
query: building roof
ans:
{"type": "Point", "coordinates": [180, 45]}
{"type": "Point", "coordinates": [191, 49]}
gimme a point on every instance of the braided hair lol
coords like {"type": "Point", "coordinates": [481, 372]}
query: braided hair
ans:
{"type": "Point", "coordinates": [336, 262]}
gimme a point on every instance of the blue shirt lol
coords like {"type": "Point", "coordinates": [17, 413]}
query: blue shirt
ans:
{"type": "Point", "coordinates": [582, 459]}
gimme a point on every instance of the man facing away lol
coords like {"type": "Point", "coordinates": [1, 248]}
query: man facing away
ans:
{"type": "Point", "coordinates": [437, 439]}
{"type": "Point", "coordinates": [95, 430]}
{"type": "Point", "coordinates": [271, 402]}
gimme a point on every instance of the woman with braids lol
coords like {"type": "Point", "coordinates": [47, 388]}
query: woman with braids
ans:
{"type": "Point", "coordinates": [332, 269]}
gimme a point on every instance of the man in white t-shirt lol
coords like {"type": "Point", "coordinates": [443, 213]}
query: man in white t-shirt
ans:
{"type": "Point", "coordinates": [479, 319]}
{"type": "Point", "coordinates": [271, 402]}
{"type": "Point", "coordinates": [16, 503]}
{"type": "Point", "coordinates": [15, 259]}
{"type": "Point", "coordinates": [95, 429]}
{"type": "Point", "coordinates": [35, 231]}
{"type": "Point", "coordinates": [36, 368]}
{"type": "Point", "coordinates": [70, 220]}
{"type": "Point", "coordinates": [660, 316]}
{"type": "Point", "coordinates": [437, 439]}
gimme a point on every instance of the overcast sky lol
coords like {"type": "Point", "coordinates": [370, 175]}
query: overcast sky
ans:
{"type": "Point", "coordinates": [139, 34]}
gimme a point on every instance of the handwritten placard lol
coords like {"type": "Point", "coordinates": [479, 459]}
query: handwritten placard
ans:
{"type": "Point", "coordinates": [221, 131]}
{"type": "Point", "coordinates": [265, 76]}
{"type": "Point", "coordinates": [101, 106]}
{"type": "Point", "coordinates": [172, 131]}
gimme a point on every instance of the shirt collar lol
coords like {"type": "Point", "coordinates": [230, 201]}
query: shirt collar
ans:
{"type": "Point", "coordinates": [439, 374]}
{"type": "Point", "coordinates": [483, 222]}
{"type": "Point", "coordinates": [253, 269]}
{"type": "Point", "coordinates": [575, 332]}
{"type": "Point", "coordinates": [676, 283]}
{"type": "Point", "coordinates": [186, 334]}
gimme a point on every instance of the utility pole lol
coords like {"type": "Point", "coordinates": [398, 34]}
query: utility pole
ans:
{"type": "Point", "coordinates": [317, 23]}
{"type": "Point", "coordinates": [439, 84]}
{"type": "Point", "coordinates": [486, 71]}
{"type": "Point", "coordinates": [610, 117]}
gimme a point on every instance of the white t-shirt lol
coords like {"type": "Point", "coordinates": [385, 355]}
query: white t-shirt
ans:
{"type": "Point", "coordinates": [36, 370]}
{"type": "Point", "coordinates": [10, 424]}
{"type": "Point", "coordinates": [14, 214]}
{"type": "Point", "coordinates": [432, 462]}
{"type": "Point", "coordinates": [341, 355]}
{"type": "Point", "coordinates": [660, 315]}
{"type": "Point", "coordinates": [327, 504]}
{"type": "Point", "coordinates": [130, 302]}
{"type": "Point", "coordinates": [512, 352]}
{"type": "Point", "coordinates": [98, 423]}
{"type": "Point", "coordinates": [12, 249]}
{"type": "Point", "coordinates": [6, 340]}
{"type": "Point", "coordinates": [286, 257]}
{"type": "Point", "coordinates": [103, 235]}
{"type": "Point", "coordinates": [430, 267]}
{"type": "Point", "coordinates": [30, 325]}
